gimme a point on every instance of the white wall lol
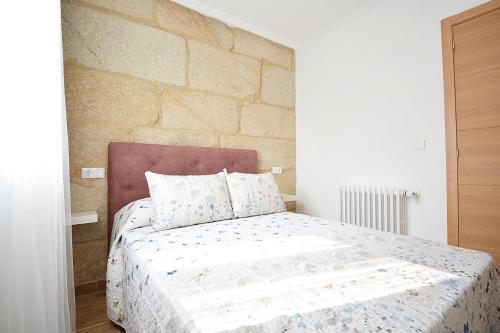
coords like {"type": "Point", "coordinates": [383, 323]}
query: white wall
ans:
{"type": "Point", "coordinates": [366, 92]}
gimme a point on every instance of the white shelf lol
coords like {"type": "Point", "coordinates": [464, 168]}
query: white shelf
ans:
{"type": "Point", "coordinates": [83, 218]}
{"type": "Point", "coordinates": [289, 197]}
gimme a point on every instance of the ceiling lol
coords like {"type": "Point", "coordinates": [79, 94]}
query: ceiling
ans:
{"type": "Point", "coordinates": [289, 22]}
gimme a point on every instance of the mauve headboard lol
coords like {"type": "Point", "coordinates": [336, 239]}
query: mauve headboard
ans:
{"type": "Point", "coordinates": [127, 163]}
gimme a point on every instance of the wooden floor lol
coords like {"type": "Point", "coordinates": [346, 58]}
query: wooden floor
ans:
{"type": "Point", "coordinates": [91, 314]}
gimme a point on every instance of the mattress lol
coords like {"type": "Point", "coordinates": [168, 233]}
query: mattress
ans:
{"type": "Point", "coordinates": [289, 272]}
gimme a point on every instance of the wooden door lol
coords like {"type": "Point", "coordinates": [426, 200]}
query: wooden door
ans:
{"type": "Point", "coordinates": [473, 62]}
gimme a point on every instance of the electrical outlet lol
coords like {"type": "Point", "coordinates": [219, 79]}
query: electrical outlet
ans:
{"type": "Point", "coordinates": [93, 172]}
{"type": "Point", "coordinates": [277, 170]}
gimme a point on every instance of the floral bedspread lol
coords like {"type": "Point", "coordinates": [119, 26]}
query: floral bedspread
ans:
{"type": "Point", "coordinates": [288, 272]}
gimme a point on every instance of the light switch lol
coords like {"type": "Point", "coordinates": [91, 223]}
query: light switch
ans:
{"type": "Point", "coordinates": [93, 173]}
{"type": "Point", "coordinates": [277, 170]}
{"type": "Point", "coordinates": [420, 145]}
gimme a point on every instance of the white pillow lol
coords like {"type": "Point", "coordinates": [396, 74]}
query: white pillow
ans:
{"type": "Point", "coordinates": [254, 194]}
{"type": "Point", "coordinates": [186, 200]}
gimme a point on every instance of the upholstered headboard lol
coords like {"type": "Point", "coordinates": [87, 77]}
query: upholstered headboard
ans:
{"type": "Point", "coordinates": [127, 163]}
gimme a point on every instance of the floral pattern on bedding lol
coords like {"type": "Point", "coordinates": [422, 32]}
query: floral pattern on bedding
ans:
{"type": "Point", "coordinates": [180, 201]}
{"type": "Point", "coordinates": [288, 272]}
{"type": "Point", "coordinates": [136, 214]}
{"type": "Point", "coordinates": [254, 194]}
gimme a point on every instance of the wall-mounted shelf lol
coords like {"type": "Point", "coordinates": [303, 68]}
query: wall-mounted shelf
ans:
{"type": "Point", "coordinates": [289, 197]}
{"type": "Point", "coordinates": [83, 218]}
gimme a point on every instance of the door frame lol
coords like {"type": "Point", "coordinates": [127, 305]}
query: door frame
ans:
{"type": "Point", "coordinates": [450, 112]}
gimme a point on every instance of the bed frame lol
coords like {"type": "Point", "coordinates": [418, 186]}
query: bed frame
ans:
{"type": "Point", "coordinates": [127, 163]}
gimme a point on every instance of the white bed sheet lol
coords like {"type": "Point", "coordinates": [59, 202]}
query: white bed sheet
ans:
{"type": "Point", "coordinates": [291, 272]}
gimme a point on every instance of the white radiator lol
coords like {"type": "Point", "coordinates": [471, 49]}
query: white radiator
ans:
{"type": "Point", "coordinates": [375, 208]}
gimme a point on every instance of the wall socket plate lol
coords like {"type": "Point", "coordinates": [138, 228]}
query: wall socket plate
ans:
{"type": "Point", "coordinates": [93, 172]}
{"type": "Point", "coordinates": [420, 144]}
{"type": "Point", "coordinates": [277, 170]}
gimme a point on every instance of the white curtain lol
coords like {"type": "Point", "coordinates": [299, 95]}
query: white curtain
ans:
{"type": "Point", "coordinates": [36, 279]}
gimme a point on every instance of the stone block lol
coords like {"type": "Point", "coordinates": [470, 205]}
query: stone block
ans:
{"type": "Point", "coordinates": [141, 9]}
{"type": "Point", "coordinates": [182, 20]}
{"type": "Point", "coordinates": [93, 96]}
{"type": "Point", "coordinates": [248, 43]}
{"type": "Point", "coordinates": [268, 121]}
{"type": "Point", "coordinates": [218, 71]}
{"type": "Point", "coordinates": [278, 86]}
{"type": "Point", "coordinates": [110, 43]}
{"type": "Point", "coordinates": [175, 138]}
{"type": "Point", "coordinates": [199, 111]}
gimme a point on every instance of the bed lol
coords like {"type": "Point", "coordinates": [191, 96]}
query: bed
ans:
{"type": "Point", "coordinates": [281, 272]}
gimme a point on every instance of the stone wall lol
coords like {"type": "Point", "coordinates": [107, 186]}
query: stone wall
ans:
{"type": "Point", "coordinates": [151, 71]}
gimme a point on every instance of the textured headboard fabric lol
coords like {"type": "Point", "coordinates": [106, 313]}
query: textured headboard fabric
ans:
{"type": "Point", "coordinates": [127, 163]}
